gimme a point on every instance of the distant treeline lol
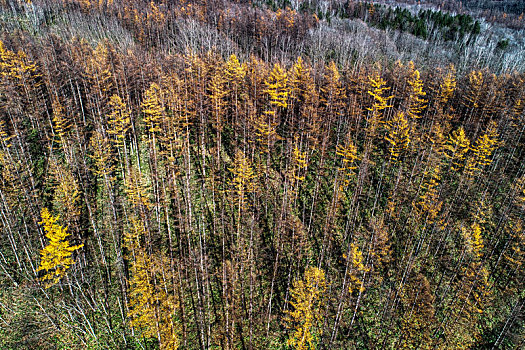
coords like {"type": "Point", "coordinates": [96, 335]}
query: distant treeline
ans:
{"type": "Point", "coordinates": [422, 24]}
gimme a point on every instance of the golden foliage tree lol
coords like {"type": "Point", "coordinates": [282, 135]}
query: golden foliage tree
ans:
{"type": "Point", "coordinates": [99, 68]}
{"type": "Point", "coordinates": [332, 93]}
{"type": "Point", "coordinates": [398, 135]}
{"type": "Point", "coordinates": [5, 138]}
{"type": "Point", "coordinates": [15, 66]}
{"type": "Point", "coordinates": [348, 153]}
{"type": "Point", "coordinates": [456, 148]}
{"type": "Point", "coordinates": [377, 89]}
{"type": "Point", "coordinates": [304, 94]}
{"type": "Point", "coordinates": [244, 180]}
{"type": "Point", "coordinates": [415, 101]}
{"type": "Point", "coordinates": [473, 240]}
{"type": "Point", "coordinates": [357, 268]}
{"type": "Point", "coordinates": [474, 89]}
{"type": "Point", "coordinates": [218, 92]}
{"type": "Point", "coordinates": [61, 124]}
{"type": "Point", "coordinates": [448, 85]}
{"type": "Point", "coordinates": [380, 254]}
{"type": "Point", "coordinates": [152, 304]}
{"type": "Point", "coordinates": [299, 162]}
{"type": "Point", "coordinates": [101, 155]}
{"type": "Point", "coordinates": [119, 120]}
{"type": "Point", "coordinates": [482, 150]}
{"type": "Point", "coordinates": [179, 116]}
{"type": "Point", "coordinates": [67, 191]}
{"type": "Point", "coordinates": [300, 80]}
{"type": "Point", "coordinates": [152, 310]}
{"type": "Point", "coordinates": [419, 316]}
{"type": "Point", "coordinates": [519, 187]}
{"type": "Point", "coordinates": [472, 291]}
{"type": "Point", "coordinates": [152, 108]}
{"type": "Point", "coordinates": [428, 204]}
{"type": "Point", "coordinates": [277, 90]}
{"type": "Point", "coordinates": [307, 300]}
{"type": "Point", "coordinates": [235, 72]}
{"type": "Point", "coordinates": [56, 256]}
{"type": "Point", "coordinates": [137, 189]}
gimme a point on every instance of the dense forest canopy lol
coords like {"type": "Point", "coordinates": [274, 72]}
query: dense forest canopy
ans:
{"type": "Point", "coordinates": [259, 175]}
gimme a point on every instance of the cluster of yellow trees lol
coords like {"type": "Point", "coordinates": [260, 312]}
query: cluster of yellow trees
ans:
{"type": "Point", "coordinates": [200, 201]}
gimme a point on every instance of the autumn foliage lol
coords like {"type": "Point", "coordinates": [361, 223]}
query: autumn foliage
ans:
{"type": "Point", "coordinates": [199, 180]}
{"type": "Point", "coordinates": [56, 255]}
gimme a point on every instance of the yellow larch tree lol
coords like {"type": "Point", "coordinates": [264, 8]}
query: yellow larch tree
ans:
{"type": "Point", "coordinates": [5, 138]}
{"type": "Point", "coordinates": [519, 188]}
{"type": "Point", "coordinates": [156, 14]}
{"type": "Point", "coordinates": [415, 101]}
{"type": "Point", "coordinates": [482, 149]}
{"type": "Point", "coordinates": [138, 189]}
{"type": "Point", "coordinates": [100, 68]}
{"type": "Point", "coordinates": [218, 92]}
{"type": "Point", "coordinates": [428, 204]}
{"type": "Point", "coordinates": [517, 111]}
{"type": "Point", "coordinates": [257, 71]}
{"type": "Point", "coordinates": [473, 240]}
{"type": "Point", "coordinates": [473, 290]}
{"type": "Point", "coordinates": [378, 90]}
{"type": "Point", "coordinates": [152, 310]}
{"type": "Point", "coordinates": [381, 253]}
{"type": "Point", "coordinates": [303, 93]}
{"type": "Point", "coordinates": [357, 269]}
{"type": "Point", "coordinates": [398, 135]}
{"type": "Point", "coordinates": [56, 256]}
{"type": "Point", "coordinates": [456, 148]}
{"type": "Point", "coordinates": [299, 79]}
{"type": "Point", "coordinates": [15, 66]}
{"type": "Point", "coordinates": [20, 83]}
{"type": "Point", "coordinates": [419, 318]}
{"type": "Point", "coordinates": [152, 109]}
{"type": "Point", "coordinates": [305, 318]}
{"type": "Point", "coordinates": [172, 138]}
{"type": "Point", "coordinates": [371, 9]}
{"type": "Point", "coordinates": [101, 155]}
{"type": "Point", "coordinates": [61, 124]}
{"type": "Point", "coordinates": [299, 163]}
{"type": "Point", "coordinates": [141, 295]}
{"type": "Point", "coordinates": [474, 89]}
{"type": "Point", "coordinates": [436, 141]}
{"type": "Point", "coordinates": [447, 85]}
{"type": "Point", "coordinates": [119, 121]}
{"type": "Point", "coordinates": [10, 171]}
{"type": "Point", "coordinates": [67, 191]}
{"type": "Point", "coordinates": [235, 72]}
{"type": "Point", "coordinates": [178, 101]}
{"type": "Point", "coordinates": [333, 94]}
{"type": "Point", "coordinates": [276, 88]}
{"type": "Point", "coordinates": [152, 305]}
{"type": "Point", "coordinates": [243, 182]}
{"type": "Point", "coordinates": [348, 154]}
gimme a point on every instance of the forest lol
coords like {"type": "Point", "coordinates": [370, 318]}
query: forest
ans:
{"type": "Point", "coordinates": [237, 174]}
